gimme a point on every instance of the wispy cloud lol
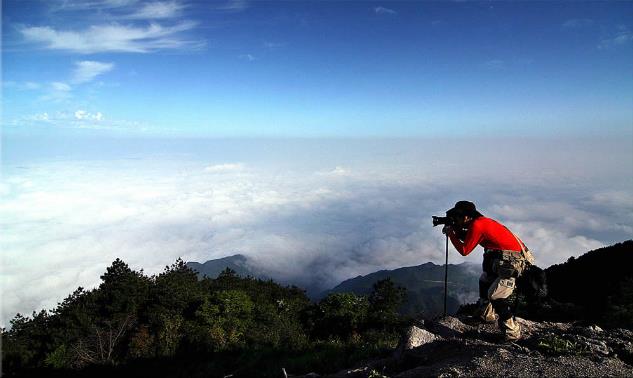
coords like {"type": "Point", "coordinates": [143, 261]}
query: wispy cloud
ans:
{"type": "Point", "coordinates": [224, 168]}
{"type": "Point", "coordinates": [157, 10]}
{"type": "Point", "coordinates": [124, 9]}
{"type": "Point", "coordinates": [113, 38]}
{"type": "Point", "coordinates": [57, 91]}
{"type": "Point", "coordinates": [77, 5]}
{"type": "Point", "coordinates": [57, 118]}
{"type": "Point", "coordinates": [77, 119]}
{"type": "Point", "coordinates": [83, 115]}
{"type": "Point", "coordinates": [233, 6]}
{"type": "Point", "coordinates": [622, 36]}
{"type": "Point", "coordinates": [61, 86]}
{"type": "Point", "coordinates": [248, 57]}
{"type": "Point", "coordinates": [577, 23]}
{"type": "Point", "coordinates": [87, 70]}
{"type": "Point", "coordinates": [39, 117]}
{"type": "Point", "coordinates": [383, 10]}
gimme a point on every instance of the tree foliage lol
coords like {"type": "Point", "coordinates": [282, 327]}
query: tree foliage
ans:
{"type": "Point", "coordinates": [384, 302]}
{"type": "Point", "coordinates": [245, 323]}
{"type": "Point", "coordinates": [595, 286]}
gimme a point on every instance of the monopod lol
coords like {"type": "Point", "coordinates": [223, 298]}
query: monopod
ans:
{"type": "Point", "coordinates": [436, 222]}
{"type": "Point", "coordinates": [446, 276]}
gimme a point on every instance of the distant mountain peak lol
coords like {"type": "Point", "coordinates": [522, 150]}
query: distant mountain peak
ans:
{"type": "Point", "coordinates": [424, 284]}
{"type": "Point", "coordinates": [237, 258]}
{"type": "Point", "coordinates": [238, 263]}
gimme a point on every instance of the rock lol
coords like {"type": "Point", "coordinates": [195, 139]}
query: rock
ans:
{"type": "Point", "coordinates": [451, 372]}
{"type": "Point", "coordinates": [590, 331]}
{"type": "Point", "coordinates": [529, 327]}
{"type": "Point", "coordinates": [452, 346]}
{"type": "Point", "coordinates": [413, 338]}
{"type": "Point", "coordinates": [416, 337]}
{"type": "Point", "coordinates": [595, 329]}
{"type": "Point", "coordinates": [625, 352]}
{"type": "Point", "coordinates": [449, 326]}
{"type": "Point", "coordinates": [598, 347]}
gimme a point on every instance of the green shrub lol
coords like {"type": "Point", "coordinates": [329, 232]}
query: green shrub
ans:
{"type": "Point", "coordinates": [59, 358]}
{"type": "Point", "coordinates": [556, 345]}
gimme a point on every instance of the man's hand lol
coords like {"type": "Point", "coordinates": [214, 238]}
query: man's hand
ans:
{"type": "Point", "coordinates": [446, 229]}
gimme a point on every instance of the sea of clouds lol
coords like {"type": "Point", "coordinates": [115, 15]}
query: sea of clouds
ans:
{"type": "Point", "coordinates": [311, 212]}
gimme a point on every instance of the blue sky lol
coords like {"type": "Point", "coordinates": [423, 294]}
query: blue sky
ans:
{"type": "Point", "coordinates": [316, 69]}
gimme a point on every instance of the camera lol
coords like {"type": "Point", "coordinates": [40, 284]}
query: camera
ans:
{"type": "Point", "coordinates": [443, 220]}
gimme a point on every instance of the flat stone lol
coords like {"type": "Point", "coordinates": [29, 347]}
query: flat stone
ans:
{"type": "Point", "coordinates": [449, 326]}
{"type": "Point", "coordinates": [416, 337]}
{"type": "Point", "coordinates": [413, 338]}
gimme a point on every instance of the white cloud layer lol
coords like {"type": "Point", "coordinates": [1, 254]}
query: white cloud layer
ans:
{"type": "Point", "coordinates": [87, 70]}
{"type": "Point", "coordinates": [113, 38]}
{"type": "Point", "coordinates": [316, 218]}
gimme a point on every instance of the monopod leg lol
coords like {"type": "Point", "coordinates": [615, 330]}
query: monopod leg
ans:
{"type": "Point", "coordinates": [446, 276]}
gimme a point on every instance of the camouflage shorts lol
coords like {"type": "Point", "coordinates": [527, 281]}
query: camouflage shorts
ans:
{"type": "Point", "coordinates": [510, 264]}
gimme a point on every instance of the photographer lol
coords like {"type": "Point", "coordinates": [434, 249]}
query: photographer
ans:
{"type": "Point", "coordinates": [505, 258]}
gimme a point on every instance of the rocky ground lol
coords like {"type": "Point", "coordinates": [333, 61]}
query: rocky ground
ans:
{"type": "Point", "coordinates": [451, 347]}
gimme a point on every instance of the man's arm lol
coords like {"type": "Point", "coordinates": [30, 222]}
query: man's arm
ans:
{"type": "Point", "coordinates": [472, 238]}
{"type": "Point", "coordinates": [461, 233]}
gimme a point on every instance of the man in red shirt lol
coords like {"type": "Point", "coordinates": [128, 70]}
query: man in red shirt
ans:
{"type": "Point", "coordinates": [505, 258]}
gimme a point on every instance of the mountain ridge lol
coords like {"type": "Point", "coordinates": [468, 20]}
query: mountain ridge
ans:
{"type": "Point", "coordinates": [212, 268]}
{"type": "Point", "coordinates": [424, 282]}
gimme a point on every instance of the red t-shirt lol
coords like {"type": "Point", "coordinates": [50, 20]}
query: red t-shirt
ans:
{"type": "Point", "coordinates": [487, 232]}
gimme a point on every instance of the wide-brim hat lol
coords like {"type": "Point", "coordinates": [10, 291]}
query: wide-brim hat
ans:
{"type": "Point", "coordinates": [462, 208]}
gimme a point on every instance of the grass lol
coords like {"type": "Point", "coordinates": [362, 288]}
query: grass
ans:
{"type": "Point", "coordinates": [557, 345]}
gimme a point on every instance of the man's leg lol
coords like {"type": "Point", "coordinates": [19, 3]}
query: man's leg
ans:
{"type": "Point", "coordinates": [486, 312]}
{"type": "Point", "coordinates": [498, 293]}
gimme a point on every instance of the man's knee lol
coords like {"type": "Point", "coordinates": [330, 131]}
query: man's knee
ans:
{"type": "Point", "coordinates": [501, 288]}
{"type": "Point", "coordinates": [498, 294]}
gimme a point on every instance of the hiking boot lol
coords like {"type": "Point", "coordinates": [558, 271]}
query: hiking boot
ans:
{"type": "Point", "coordinates": [511, 330]}
{"type": "Point", "coordinates": [487, 312]}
